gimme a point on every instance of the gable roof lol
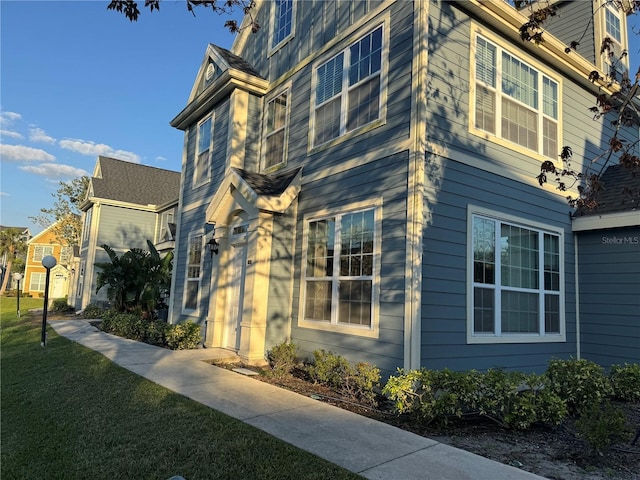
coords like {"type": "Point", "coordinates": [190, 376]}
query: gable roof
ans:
{"type": "Point", "coordinates": [268, 184]}
{"type": "Point", "coordinates": [128, 182]}
{"type": "Point", "coordinates": [234, 61]}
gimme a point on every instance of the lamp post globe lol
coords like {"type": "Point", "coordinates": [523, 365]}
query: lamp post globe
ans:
{"type": "Point", "coordinates": [48, 262]}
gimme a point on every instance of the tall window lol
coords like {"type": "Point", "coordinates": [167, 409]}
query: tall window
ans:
{"type": "Point", "coordinates": [194, 266]}
{"type": "Point", "coordinates": [37, 282]}
{"type": "Point", "coordinates": [612, 23]}
{"type": "Point", "coordinates": [165, 219]}
{"type": "Point", "coordinates": [87, 225]}
{"type": "Point", "coordinates": [347, 93]}
{"type": "Point", "coordinates": [516, 276]}
{"type": "Point", "coordinates": [276, 130]}
{"type": "Point", "coordinates": [39, 252]}
{"type": "Point", "coordinates": [203, 154]}
{"type": "Point", "coordinates": [514, 100]}
{"type": "Point", "coordinates": [339, 271]}
{"type": "Point", "coordinates": [283, 21]}
{"type": "Point", "coordinates": [65, 255]}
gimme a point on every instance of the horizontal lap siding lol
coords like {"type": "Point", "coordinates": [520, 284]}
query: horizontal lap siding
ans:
{"type": "Point", "coordinates": [444, 302]}
{"type": "Point", "coordinates": [609, 275]}
{"type": "Point", "coordinates": [125, 228]}
{"type": "Point", "coordinates": [385, 178]}
{"type": "Point", "coordinates": [574, 22]}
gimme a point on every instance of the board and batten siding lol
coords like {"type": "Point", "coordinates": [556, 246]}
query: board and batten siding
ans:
{"type": "Point", "coordinates": [609, 279]}
{"type": "Point", "coordinates": [385, 179]}
{"type": "Point", "coordinates": [444, 288]}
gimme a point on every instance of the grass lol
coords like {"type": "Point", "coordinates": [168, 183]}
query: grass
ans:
{"type": "Point", "coordinates": [69, 413]}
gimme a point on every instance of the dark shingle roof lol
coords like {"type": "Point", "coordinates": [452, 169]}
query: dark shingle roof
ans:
{"type": "Point", "coordinates": [621, 192]}
{"type": "Point", "coordinates": [234, 61]}
{"type": "Point", "coordinates": [134, 183]}
{"type": "Point", "coordinates": [270, 185]}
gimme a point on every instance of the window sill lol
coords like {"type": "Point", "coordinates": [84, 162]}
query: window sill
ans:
{"type": "Point", "coordinates": [492, 339]}
{"type": "Point", "coordinates": [341, 329]}
{"type": "Point", "coordinates": [354, 133]}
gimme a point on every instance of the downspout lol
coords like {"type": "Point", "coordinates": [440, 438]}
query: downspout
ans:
{"type": "Point", "coordinates": [577, 287]}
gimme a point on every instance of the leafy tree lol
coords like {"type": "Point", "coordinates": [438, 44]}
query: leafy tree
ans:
{"type": "Point", "coordinates": [129, 8]}
{"type": "Point", "coordinates": [138, 279]}
{"type": "Point", "coordinates": [66, 212]}
{"type": "Point", "coordinates": [11, 244]}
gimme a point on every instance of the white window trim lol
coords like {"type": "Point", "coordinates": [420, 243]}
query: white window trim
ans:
{"type": "Point", "coordinates": [372, 331]}
{"type": "Point", "coordinates": [185, 310]}
{"type": "Point", "coordinates": [484, 338]}
{"type": "Point", "coordinates": [43, 283]}
{"type": "Point", "coordinates": [197, 154]}
{"type": "Point", "coordinates": [384, 62]}
{"type": "Point", "coordinates": [263, 157]}
{"type": "Point", "coordinates": [274, 48]}
{"type": "Point", "coordinates": [601, 33]}
{"type": "Point", "coordinates": [526, 59]}
{"type": "Point", "coordinates": [35, 257]}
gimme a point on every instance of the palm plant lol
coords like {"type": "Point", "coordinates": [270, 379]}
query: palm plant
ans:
{"type": "Point", "coordinates": [11, 244]}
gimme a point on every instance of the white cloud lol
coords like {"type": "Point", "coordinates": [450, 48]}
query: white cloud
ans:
{"type": "Point", "coordinates": [11, 134]}
{"type": "Point", "coordinates": [5, 194]}
{"type": "Point", "coordinates": [160, 159]}
{"type": "Point", "coordinates": [39, 135]}
{"type": "Point", "coordinates": [20, 153]}
{"type": "Point", "coordinates": [7, 118]}
{"type": "Point", "coordinates": [87, 147]}
{"type": "Point", "coordinates": [55, 170]}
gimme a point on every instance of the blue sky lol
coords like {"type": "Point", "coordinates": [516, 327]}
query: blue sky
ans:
{"type": "Point", "coordinates": [78, 81]}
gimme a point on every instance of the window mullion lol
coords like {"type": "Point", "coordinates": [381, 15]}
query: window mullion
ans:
{"type": "Point", "coordinates": [335, 280]}
{"type": "Point", "coordinates": [498, 93]}
{"type": "Point", "coordinates": [346, 61]}
{"type": "Point", "coordinates": [541, 286]}
{"type": "Point", "coordinates": [497, 304]}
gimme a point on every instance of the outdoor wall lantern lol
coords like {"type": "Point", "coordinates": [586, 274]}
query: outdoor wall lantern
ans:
{"type": "Point", "coordinates": [213, 246]}
{"type": "Point", "coordinates": [48, 262]}
{"type": "Point", "coordinates": [17, 277]}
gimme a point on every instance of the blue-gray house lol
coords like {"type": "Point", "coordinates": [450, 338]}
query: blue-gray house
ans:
{"type": "Point", "coordinates": [366, 174]}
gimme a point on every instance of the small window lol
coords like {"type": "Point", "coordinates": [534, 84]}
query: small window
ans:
{"type": "Point", "coordinates": [276, 130]}
{"type": "Point", "coordinates": [194, 268]}
{"type": "Point", "coordinates": [515, 101]}
{"type": "Point", "coordinates": [612, 23]}
{"type": "Point", "coordinates": [203, 154]}
{"type": "Point", "coordinates": [516, 278]}
{"type": "Point", "coordinates": [282, 21]}
{"type": "Point", "coordinates": [348, 89]}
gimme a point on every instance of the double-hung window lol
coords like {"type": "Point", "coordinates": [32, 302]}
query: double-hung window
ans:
{"type": "Point", "coordinates": [203, 154]}
{"type": "Point", "coordinates": [37, 282]}
{"type": "Point", "coordinates": [516, 281]}
{"type": "Point", "coordinates": [39, 252]}
{"type": "Point", "coordinates": [612, 23]}
{"type": "Point", "coordinates": [515, 101]}
{"type": "Point", "coordinates": [194, 268]}
{"type": "Point", "coordinates": [282, 21]}
{"type": "Point", "coordinates": [348, 89]}
{"type": "Point", "coordinates": [276, 130]}
{"type": "Point", "coordinates": [340, 271]}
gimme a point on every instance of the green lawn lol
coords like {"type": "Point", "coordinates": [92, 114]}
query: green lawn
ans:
{"type": "Point", "coordinates": [69, 413]}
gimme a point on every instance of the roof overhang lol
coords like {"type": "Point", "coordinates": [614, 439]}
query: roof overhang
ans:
{"type": "Point", "coordinates": [236, 191]}
{"type": "Point", "coordinates": [220, 89]}
{"type": "Point", "coordinates": [606, 221]}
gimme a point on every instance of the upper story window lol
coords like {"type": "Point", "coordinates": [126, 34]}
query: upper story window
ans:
{"type": "Point", "coordinates": [65, 255]}
{"type": "Point", "coordinates": [612, 23]}
{"type": "Point", "coordinates": [203, 154]}
{"type": "Point", "coordinates": [516, 276]}
{"type": "Point", "coordinates": [276, 130]}
{"type": "Point", "coordinates": [165, 219]}
{"type": "Point", "coordinates": [194, 268]}
{"type": "Point", "coordinates": [515, 101]}
{"type": "Point", "coordinates": [348, 89]}
{"type": "Point", "coordinates": [39, 252]}
{"type": "Point", "coordinates": [87, 225]}
{"type": "Point", "coordinates": [282, 21]}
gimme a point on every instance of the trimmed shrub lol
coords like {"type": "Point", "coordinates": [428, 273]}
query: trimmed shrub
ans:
{"type": "Point", "coordinates": [580, 383]}
{"type": "Point", "coordinates": [282, 358]}
{"type": "Point", "coordinates": [601, 426]}
{"type": "Point", "coordinates": [61, 305]}
{"type": "Point", "coordinates": [93, 311]}
{"type": "Point", "coordinates": [182, 336]}
{"type": "Point", "coordinates": [156, 333]}
{"type": "Point", "coordinates": [625, 381]}
{"type": "Point", "coordinates": [335, 371]}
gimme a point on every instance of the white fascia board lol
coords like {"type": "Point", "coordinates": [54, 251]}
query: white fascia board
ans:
{"type": "Point", "coordinates": [605, 221]}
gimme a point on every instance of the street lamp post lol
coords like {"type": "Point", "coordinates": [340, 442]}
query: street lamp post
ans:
{"type": "Point", "coordinates": [48, 262]}
{"type": "Point", "coordinates": [17, 277]}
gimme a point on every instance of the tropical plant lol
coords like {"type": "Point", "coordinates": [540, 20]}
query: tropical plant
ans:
{"type": "Point", "coordinates": [137, 280]}
{"type": "Point", "coordinates": [12, 243]}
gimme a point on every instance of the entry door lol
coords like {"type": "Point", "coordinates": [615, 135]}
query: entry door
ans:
{"type": "Point", "coordinates": [237, 271]}
{"type": "Point", "coordinates": [59, 281]}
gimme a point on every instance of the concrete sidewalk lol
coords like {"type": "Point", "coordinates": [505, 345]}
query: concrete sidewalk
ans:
{"type": "Point", "coordinates": [370, 448]}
